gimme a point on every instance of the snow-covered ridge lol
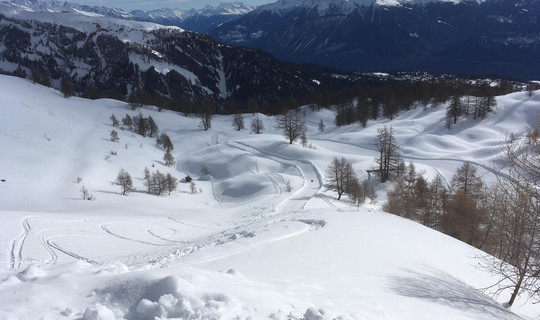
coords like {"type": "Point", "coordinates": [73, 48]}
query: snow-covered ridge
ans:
{"type": "Point", "coordinates": [342, 6]}
{"type": "Point", "coordinates": [84, 20]}
{"type": "Point", "coordinates": [226, 8]}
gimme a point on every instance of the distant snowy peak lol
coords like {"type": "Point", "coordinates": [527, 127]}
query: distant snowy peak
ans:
{"type": "Point", "coordinates": [64, 6]}
{"type": "Point", "coordinates": [227, 8]}
{"type": "Point", "coordinates": [224, 9]}
{"type": "Point", "coordinates": [344, 6]}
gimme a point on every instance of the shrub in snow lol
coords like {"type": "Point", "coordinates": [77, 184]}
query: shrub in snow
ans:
{"type": "Point", "coordinates": [114, 136]}
{"type": "Point", "coordinates": [204, 170]}
{"type": "Point", "coordinates": [192, 187]}
{"type": "Point", "coordinates": [114, 121]}
{"type": "Point", "coordinates": [85, 194]}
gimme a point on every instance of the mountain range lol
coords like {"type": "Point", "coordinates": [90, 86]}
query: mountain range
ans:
{"type": "Point", "coordinates": [119, 56]}
{"type": "Point", "coordinates": [202, 20]}
{"type": "Point", "coordinates": [474, 37]}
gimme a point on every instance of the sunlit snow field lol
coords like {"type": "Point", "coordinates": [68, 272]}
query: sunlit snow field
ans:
{"type": "Point", "coordinates": [243, 247]}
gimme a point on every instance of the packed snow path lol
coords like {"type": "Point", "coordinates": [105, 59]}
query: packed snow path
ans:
{"type": "Point", "coordinates": [308, 172]}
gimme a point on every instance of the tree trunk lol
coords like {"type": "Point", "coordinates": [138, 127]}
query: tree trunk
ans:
{"type": "Point", "coordinates": [516, 289]}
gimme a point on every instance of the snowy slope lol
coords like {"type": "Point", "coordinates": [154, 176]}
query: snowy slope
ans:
{"type": "Point", "coordinates": [243, 247]}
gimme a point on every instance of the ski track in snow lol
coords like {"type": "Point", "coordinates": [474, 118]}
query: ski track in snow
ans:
{"type": "Point", "coordinates": [45, 243]}
{"type": "Point", "coordinates": [51, 244]}
{"type": "Point", "coordinates": [106, 229]}
{"type": "Point", "coordinates": [16, 254]}
{"type": "Point", "coordinates": [297, 200]}
{"type": "Point", "coordinates": [411, 157]}
{"type": "Point", "coordinates": [157, 236]}
{"type": "Point", "coordinates": [189, 224]}
{"type": "Point", "coordinates": [310, 225]}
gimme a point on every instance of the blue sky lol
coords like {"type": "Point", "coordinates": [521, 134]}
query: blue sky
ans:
{"type": "Point", "coordinates": [157, 4]}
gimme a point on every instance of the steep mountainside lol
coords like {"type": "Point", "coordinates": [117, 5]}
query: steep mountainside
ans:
{"type": "Point", "coordinates": [117, 57]}
{"type": "Point", "coordinates": [486, 37]}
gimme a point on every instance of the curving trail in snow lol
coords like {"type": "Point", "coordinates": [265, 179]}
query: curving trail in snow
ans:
{"type": "Point", "coordinates": [52, 245]}
{"type": "Point", "coordinates": [116, 235]}
{"type": "Point", "coordinates": [45, 243]}
{"type": "Point", "coordinates": [308, 172]}
{"type": "Point", "coordinates": [17, 246]}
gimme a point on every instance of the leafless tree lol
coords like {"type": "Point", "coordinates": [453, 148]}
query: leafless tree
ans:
{"type": "Point", "coordinates": [146, 174]}
{"type": "Point", "coordinates": [152, 128]}
{"type": "Point", "coordinates": [85, 194]}
{"type": "Point", "coordinates": [114, 121]}
{"type": "Point", "coordinates": [291, 124]}
{"type": "Point", "coordinates": [288, 187]}
{"type": "Point", "coordinates": [465, 211]}
{"type": "Point", "coordinates": [169, 159]}
{"type": "Point", "coordinates": [238, 122]}
{"type": "Point", "coordinates": [206, 119]}
{"type": "Point", "coordinates": [257, 125]}
{"type": "Point", "coordinates": [519, 219]}
{"type": "Point", "coordinates": [342, 178]}
{"type": "Point", "coordinates": [389, 159]}
{"type": "Point", "coordinates": [321, 125]}
{"type": "Point", "coordinates": [124, 181]}
{"type": "Point", "coordinates": [466, 178]}
{"type": "Point", "coordinates": [127, 121]}
{"type": "Point", "coordinates": [114, 136]}
{"type": "Point", "coordinates": [437, 199]}
{"type": "Point", "coordinates": [453, 111]}
{"type": "Point", "coordinates": [165, 141]}
{"type": "Point", "coordinates": [303, 139]}
{"type": "Point", "coordinates": [193, 188]}
{"type": "Point", "coordinates": [66, 87]}
{"type": "Point", "coordinates": [171, 183]}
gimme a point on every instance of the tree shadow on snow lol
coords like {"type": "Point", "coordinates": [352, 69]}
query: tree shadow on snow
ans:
{"type": "Point", "coordinates": [444, 289]}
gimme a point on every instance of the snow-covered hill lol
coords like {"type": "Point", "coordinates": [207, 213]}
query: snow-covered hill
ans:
{"type": "Point", "coordinates": [243, 247]}
{"type": "Point", "coordinates": [111, 57]}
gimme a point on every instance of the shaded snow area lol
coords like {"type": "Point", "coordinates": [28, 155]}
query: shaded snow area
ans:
{"type": "Point", "coordinates": [243, 246]}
